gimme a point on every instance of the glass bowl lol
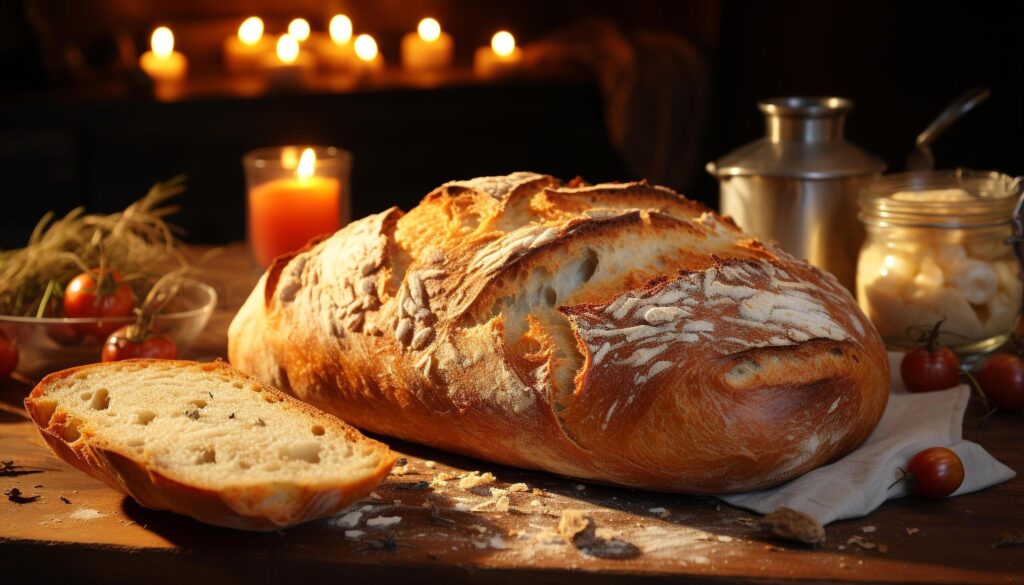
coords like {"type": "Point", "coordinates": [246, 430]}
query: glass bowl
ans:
{"type": "Point", "coordinates": [50, 344]}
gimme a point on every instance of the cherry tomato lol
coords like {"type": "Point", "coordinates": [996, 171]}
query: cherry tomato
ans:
{"type": "Point", "coordinates": [1002, 381]}
{"type": "Point", "coordinates": [126, 344]}
{"type": "Point", "coordinates": [8, 356]}
{"type": "Point", "coordinates": [83, 297]}
{"type": "Point", "coordinates": [934, 473]}
{"type": "Point", "coordinates": [925, 370]}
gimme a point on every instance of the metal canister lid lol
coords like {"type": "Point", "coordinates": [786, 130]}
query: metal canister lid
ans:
{"type": "Point", "coordinates": [804, 140]}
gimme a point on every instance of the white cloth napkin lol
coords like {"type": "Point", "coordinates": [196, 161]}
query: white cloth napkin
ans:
{"type": "Point", "coordinates": [858, 483]}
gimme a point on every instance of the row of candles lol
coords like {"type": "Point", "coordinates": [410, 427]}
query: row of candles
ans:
{"type": "Point", "coordinates": [299, 51]}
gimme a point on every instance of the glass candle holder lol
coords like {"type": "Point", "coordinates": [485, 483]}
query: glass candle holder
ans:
{"type": "Point", "coordinates": [295, 193]}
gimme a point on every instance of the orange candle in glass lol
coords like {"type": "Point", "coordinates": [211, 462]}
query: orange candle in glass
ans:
{"type": "Point", "coordinates": [294, 197]}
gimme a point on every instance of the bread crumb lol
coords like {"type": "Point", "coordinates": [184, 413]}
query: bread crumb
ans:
{"type": "Point", "coordinates": [478, 528]}
{"type": "Point", "coordinates": [912, 531]}
{"type": "Point", "coordinates": [349, 520]}
{"type": "Point", "coordinates": [400, 470]}
{"type": "Point", "coordinates": [474, 479]}
{"type": "Point", "coordinates": [430, 464]}
{"type": "Point", "coordinates": [86, 514]}
{"type": "Point", "coordinates": [790, 524]}
{"type": "Point", "coordinates": [461, 507]}
{"type": "Point", "coordinates": [859, 541]}
{"type": "Point", "coordinates": [374, 496]}
{"type": "Point", "coordinates": [440, 479]}
{"type": "Point", "coordinates": [354, 533]}
{"type": "Point", "coordinates": [502, 504]}
{"type": "Point", "coordinates": [580, 487]}
{"type": "Point", "coordinates": [867, 528]}
{"type": "Point", "coordinates": [497, 542]}
{"type": "Point", "coordinates": [518, 487]}
{"type": "Point", "coordinates": [535, 504]}
{"type": "Point", "coordinates": [661, 512]}
{"type": "Point", "coordinates": [580, 531]}
{"type": "Point", "coordinates": [383, 521]}
{"type": "Point", "coordinates": [396, 502]}
{"type": "Point", "coordinates": [577, 528]}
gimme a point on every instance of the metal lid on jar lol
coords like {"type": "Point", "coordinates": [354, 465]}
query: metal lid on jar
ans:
{"type": "Point", "coordinates": [804, 140]}
{"type": "Point", "coordinates": [942, 199]}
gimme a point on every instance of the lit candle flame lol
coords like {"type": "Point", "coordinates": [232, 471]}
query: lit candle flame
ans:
{"type": "Point", "coordinates": [287, 49]}
{"type": "Point", "coordinates": [299, 29]}
{"type": "Point", "coordinates": [307, 164]}
{"type": "Point", "coordinates": [429, 30]}
{"type": "Point", "coordinates": [503, 43]}
{"type": "Point", "coordinates": [162, 42]}
{"type": "Point", "coordinates": [251, 30]}
{"type": "Point", "coordinates": [366, 48]}
{"type": "Point", "coordinates": [340, 29]}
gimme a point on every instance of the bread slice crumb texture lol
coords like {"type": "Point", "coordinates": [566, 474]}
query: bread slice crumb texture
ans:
{"type": "Point", "coordinates": [208, 426]}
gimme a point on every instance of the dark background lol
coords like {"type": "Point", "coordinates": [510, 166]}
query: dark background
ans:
{"type": "Point", "coordinates": [100, 139]}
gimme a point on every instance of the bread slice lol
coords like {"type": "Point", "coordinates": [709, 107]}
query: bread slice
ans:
{"type": "Point", "coordinates": [206, 441]}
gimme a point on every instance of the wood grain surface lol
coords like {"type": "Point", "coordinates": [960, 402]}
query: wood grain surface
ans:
{"type": "Point", "coordinates": [77, 529]}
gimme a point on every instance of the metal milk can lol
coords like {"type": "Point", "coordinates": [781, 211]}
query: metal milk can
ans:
{"type": "Point", "coordinates": [799, 184]}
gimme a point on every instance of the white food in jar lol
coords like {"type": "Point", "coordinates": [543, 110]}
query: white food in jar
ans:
{"type": "Point", "coordinates": [975, 288]}
{"type": "Point", "coordinates": [933, 196]}
{"type": "Point", "coordinates": [976, 280]}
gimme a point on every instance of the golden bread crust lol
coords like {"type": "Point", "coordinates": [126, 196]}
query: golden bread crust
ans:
{"type": "Point", "coordinates": [618, 333]}
{"type": "Point", "coordinates": [244, 507]}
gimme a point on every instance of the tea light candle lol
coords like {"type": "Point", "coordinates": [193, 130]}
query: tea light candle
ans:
{"type": "Point", "coordinates": [162, 63]}
{"type": "Point", "coordinates": [245, 52]}
{"type": "Point", "coordinates": [370, 60]}
{"type": "Point", "coordinates": [289, 65]}
{"type": "Point", "coordinates": [501, 58]}
{"type": "Point", "coordinates": [429, 48]}
{"type": "Point", "coordinates": [337, 52]}
{"type": "Point", "coordinates": [299, 29]}
{"type": "Point", "coordinates": [285, 213]}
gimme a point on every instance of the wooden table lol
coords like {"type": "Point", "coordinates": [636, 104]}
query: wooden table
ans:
{"type": "Point", "coordinates": [78, 528]}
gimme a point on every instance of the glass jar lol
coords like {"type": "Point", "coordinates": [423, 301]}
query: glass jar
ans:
{"type": "Point", "coordinates": [938, 248]}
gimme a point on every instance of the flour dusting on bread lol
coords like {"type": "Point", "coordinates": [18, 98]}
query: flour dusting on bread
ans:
{"type": "Point", "coordinates": [617, 332]}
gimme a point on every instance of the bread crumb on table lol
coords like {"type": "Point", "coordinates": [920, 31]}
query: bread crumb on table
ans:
{"type": "Point", "coordinates": [660, 512]}
{"type": "Point", "coordinates": [349, 520]}
{"type": "Point", "coordinates": [383, 521]}
{"type": "Point", "coordinates": [86, 514]}
{"type": "Point", "coordinates": [475, 479]}
{"type": "Point", "coordinates": [502, 504]}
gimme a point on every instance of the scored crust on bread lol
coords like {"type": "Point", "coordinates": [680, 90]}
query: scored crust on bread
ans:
{"type": "Point", "coordinates": [206, 441]}
{"type": "Point", "coordinates": [616, 332]}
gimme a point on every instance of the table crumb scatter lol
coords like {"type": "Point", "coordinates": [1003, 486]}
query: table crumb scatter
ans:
{"type": "Point", "coordinates": [451, 519]}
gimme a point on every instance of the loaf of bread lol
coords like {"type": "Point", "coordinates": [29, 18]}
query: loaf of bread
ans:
{"type": "Point", "coordinates": [206, 441]}
{"type": "Point", "coordinates": [618, 333]}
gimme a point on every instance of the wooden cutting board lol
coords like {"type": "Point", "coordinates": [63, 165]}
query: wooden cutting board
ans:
{"type": "Point", "coordinates": [418, 528]}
